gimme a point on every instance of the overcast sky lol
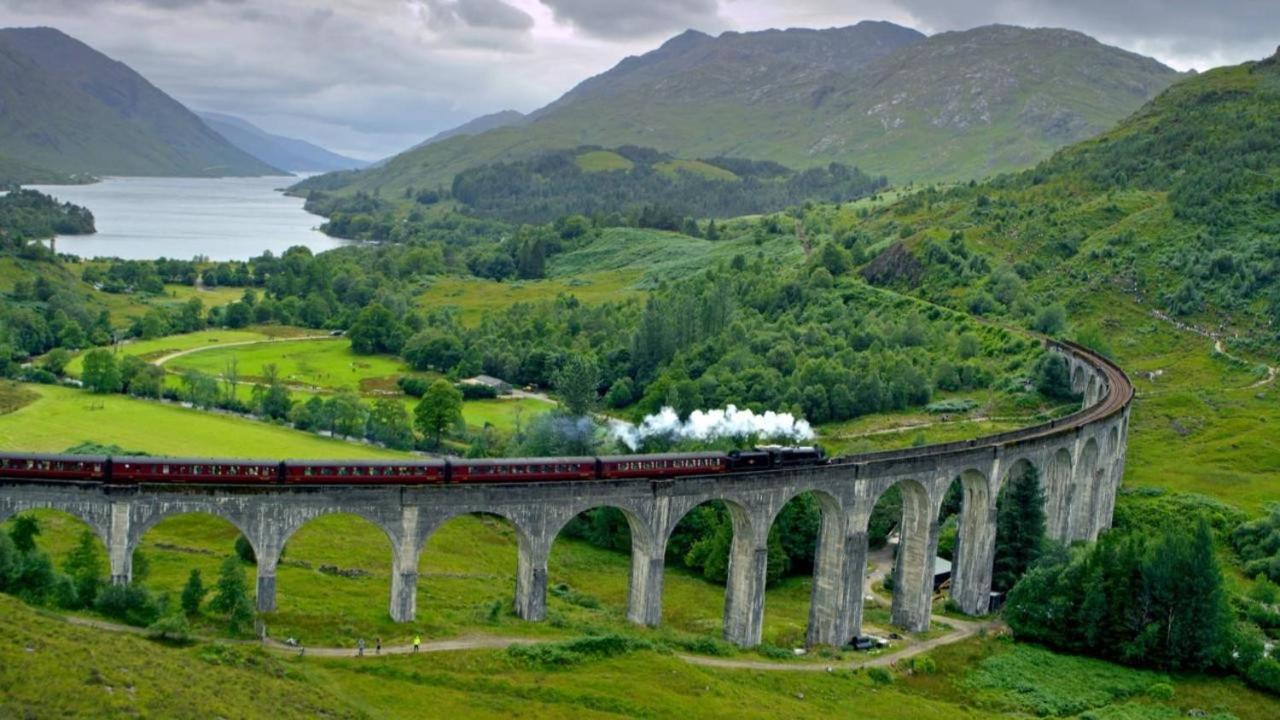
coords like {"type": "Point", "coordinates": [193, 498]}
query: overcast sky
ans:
{"type": "Point", "coordinates": [371, 77]}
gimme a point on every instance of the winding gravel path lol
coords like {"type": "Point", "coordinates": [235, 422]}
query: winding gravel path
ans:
{"type": "Point", "coordinates": [217, 346]}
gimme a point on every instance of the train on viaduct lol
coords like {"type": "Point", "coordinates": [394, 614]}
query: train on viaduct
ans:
{"type": "Point", "coordinates": [1080, 459]}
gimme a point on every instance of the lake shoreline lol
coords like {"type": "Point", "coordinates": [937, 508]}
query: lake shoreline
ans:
{"type": "Point", "coordinates": [231, 218]}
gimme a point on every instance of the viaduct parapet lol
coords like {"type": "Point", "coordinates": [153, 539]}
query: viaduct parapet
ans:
{"type": "Point", "coordinates": [1080, 460]}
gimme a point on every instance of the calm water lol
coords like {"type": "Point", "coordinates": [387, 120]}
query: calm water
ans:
{"type": "Point", "coordinates": [223, 218]}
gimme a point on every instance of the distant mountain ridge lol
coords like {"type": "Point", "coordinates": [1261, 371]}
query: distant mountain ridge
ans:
{"type": "Point", "coordinates": [885, 98]}
{"type": "Point", "coordinates": [482, 124]}
{"type": "Point", "coordinates": [279, 151]}
{"type": "Point", "coordinates": [67, 107]}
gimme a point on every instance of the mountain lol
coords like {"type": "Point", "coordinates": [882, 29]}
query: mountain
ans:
{"type": "Point", "coordinates": [16, 172]}
{"type": "Point", "coordinates": [1175, 210]}
{"type": "Point", "coordinates": [66, 107]}
{"type": "Point", "coordinates": [482, 124]}
{"type": "Point", "coordinates": [876, 95]}
{"type": "Point", "coordinates": [276, 150]}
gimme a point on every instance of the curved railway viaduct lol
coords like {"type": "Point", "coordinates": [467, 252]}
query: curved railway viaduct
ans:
{"type": "Point", "coordinates": [1080, 459]}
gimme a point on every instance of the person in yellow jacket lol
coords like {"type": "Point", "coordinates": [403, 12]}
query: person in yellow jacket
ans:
{"type": "Point", "coordinates": [417, 640]}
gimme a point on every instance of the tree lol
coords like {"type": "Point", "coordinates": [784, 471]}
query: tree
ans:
{"type": "Point", "coordinates": [621, 394]}
{"type": "Point", "coordinates": [83, 564]}
{"type": "Point", "coordinates": [376, 330]}
{"type": "Point", "coordinates": [433, 349]}
{"type": "Point", "coordinates": [1020, 524]}
{"type": "Point", "coordinates": [439, 408]}
{"type": "Point", "coordinates": [272, 398]}
{"type": "Point", "coordinates": [56, 361]}
{"type": "Point", "coordinates": [345, 415]}
{"type": "Point", "coordinates": [193, 593]}
{"type": "Point", "coordinates": [190, 315]}
{"type": "Point", "coordinates": [199, 389]}
{"type": "Point", "coordinates": [576, 383]}
{"type": "Point", "coordinates": [100, 374]}
{"type": "Point", "coordinates": [1053, 377]}
{"type": "Point", "coordinates": [1051, 320]}
{"type": "Point", "coordinates": [244, 550]}
{"type": "Point", "coordinates": [231, 595]}
{"type": "Point", "coordinates": [389, 424]}
{"type": "Point", "coordinates": [23, 533]}
{"type": "Point", "coordinates": [834, 259]}
{"type": "Point", "coordinates": [148, 382]}
{"type": "Point", "coordinates": [238, 315]}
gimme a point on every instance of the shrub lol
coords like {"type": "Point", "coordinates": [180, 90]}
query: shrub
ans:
{"type": "Point", "coordinates": [1160, 691]}
{"type": "Point", "coordinates": [575, 597]}
{"type": "Point", "coordinates": [922, 665]}
{"type": "Point", "coordinates": [244, 550]}
{"type": "Point", "coordinates": [773, 652]}
{"type": "Point", "coordinates": [1265, 675]}
{"type": "Point", "coordinates": [477, 391]}
{"type": "Point", "coordinates": [880, 676]}
{"type": "Point", "coordinates": [171, 628]}
{"type": "Point", "coordinates": [572, 652]}
{"type": "Point", "coordinates": [413, 386]}
{"type": "Point", "coordinates": [132, 604]}
{"type": "Point", "coordinates": [704, 645]}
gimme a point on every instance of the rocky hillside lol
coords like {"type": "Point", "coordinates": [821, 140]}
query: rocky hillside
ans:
{"type": "Point", "coordinates": [876, 95]}
{"type": "Point", "coordinates": [68, 108]}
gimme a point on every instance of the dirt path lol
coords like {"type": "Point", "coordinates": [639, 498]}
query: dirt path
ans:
{"type": "Point", "coordinates": [1218, 346]}
{"type": "Point", "coordinates": [883, 561]}
{"type": "Point", "coordinates": [190, 351]}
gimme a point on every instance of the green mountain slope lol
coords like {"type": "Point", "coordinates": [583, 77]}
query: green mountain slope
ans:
{"type": "Point", "coordinates": [876, 95]}
{"type": "Point", "coordinates": [16, 172]}
{"type": "Point", "coordinates": [1178, 208]}
{"type": "Point", "coordinates": [66, 107]}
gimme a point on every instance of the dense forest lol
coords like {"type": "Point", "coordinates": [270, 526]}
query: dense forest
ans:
{"type": "Point", "coordinates": [624, 187]}
{"type": "Point", "coordinates": [624, 181]}
{"type": "Point", "coordinates": [30, 214]}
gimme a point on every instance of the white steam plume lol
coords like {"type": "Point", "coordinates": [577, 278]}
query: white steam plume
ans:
{"type": "Point", "coordinates": [711, 425]}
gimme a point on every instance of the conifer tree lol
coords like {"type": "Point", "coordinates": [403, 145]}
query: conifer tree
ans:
{"type": "Point", "coordinates": [1020, 523]}
{"type": "Point", "coordinates": [193, 593]}
{"type": "Point", "coordinates": [231, 595]}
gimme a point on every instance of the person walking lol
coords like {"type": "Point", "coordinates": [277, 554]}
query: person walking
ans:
{"type": "Point", "coordinates": [377, 645]}
{"type": "Point", "coordinates": [417, 640]}
{"type": "Point", "coordinates": [360, 647]}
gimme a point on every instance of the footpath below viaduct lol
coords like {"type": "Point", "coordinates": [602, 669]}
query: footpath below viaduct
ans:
{"type": "Point", "coordinates": [1080, 460]}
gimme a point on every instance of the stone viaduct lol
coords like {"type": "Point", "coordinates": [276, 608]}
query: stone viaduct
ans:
{"type": "Point", "coordinates": [1080, 459]}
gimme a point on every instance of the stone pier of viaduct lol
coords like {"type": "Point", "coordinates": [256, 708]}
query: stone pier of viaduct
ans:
{"type": "Point", "coordinates": [1080, 459]}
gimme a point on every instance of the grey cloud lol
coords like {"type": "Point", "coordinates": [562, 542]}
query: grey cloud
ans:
{"type": "Point", "coordinates": [631, 18]}
{"type": "Point", "coordinates": [493, 14]}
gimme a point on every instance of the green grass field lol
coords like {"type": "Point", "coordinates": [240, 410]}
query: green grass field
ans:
{"type": "Point", "coordinates": [473, 297]}
{"type": "Point", "coordinates": [602, 161]}
{"type": "Point", "coordinates": [64, 417]}
{"type": "Point", "coordinates": [326, 364]}
{"type": "Point", "coordinates": [153, 349]}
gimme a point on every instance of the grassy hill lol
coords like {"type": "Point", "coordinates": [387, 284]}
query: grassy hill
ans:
{"type": "Point", "coordinates": [875, 95]}
{"type": "Point", "coordinates": [73, 110]}
{"type": "Point", "coordinates": [1158, 240]}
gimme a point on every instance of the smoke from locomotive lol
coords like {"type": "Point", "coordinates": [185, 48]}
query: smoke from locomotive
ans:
{"type": "Point", "coordinates": [729, 422]}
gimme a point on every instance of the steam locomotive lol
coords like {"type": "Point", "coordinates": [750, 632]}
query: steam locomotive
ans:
{"type": "Point", "coordinates": [187, 471]}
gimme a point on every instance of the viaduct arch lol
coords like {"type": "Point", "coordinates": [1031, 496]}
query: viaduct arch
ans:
{"type": "Point", "coordinates": [1080, 459]}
